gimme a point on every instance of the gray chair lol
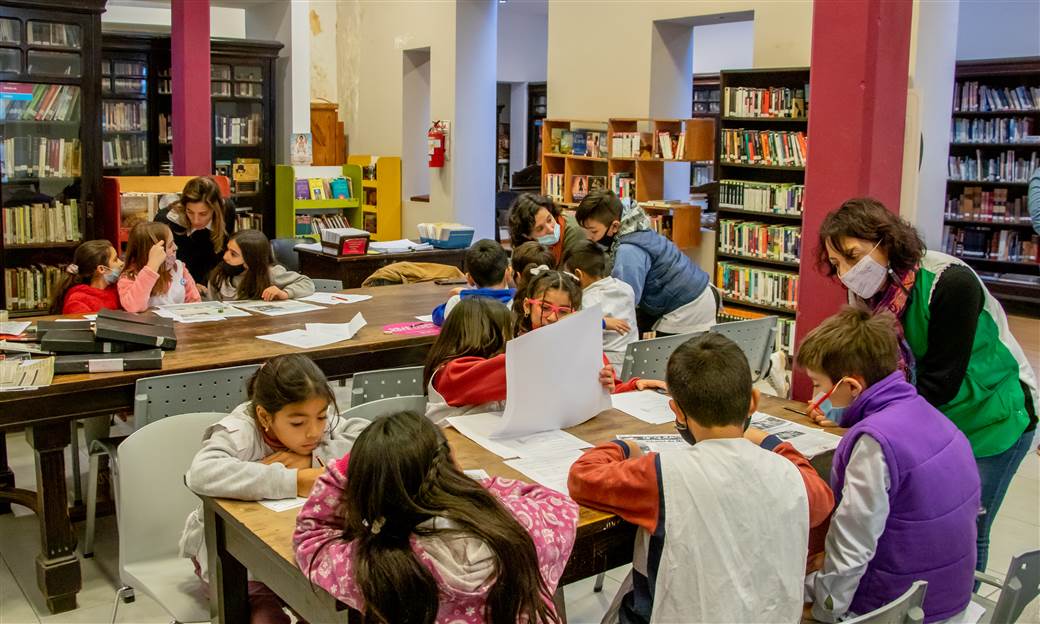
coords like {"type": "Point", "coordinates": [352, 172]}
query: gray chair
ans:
{"type": "Point", "coordinates": [153, 503]}
{"type": "Point", "coordinates": [382, 407]}
{"type": "Point", "coordinates": [648, 359]}
{"type": "Point", "coordinates": [756, 338]}
{"type": "Point", "coordinates": [327, 285]}
{"type": "Point", "coordinates": [1021, 587]}
{"type": "Point", "coordinates": [907, 609]}
{"type": "Point", "coordinates": [155, 398]}
{"type": "Point", "coordinates": [285, 253]}
{"type": "Point", "coordinates": [385, 384]}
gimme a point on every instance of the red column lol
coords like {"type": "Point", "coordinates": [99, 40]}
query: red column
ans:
{"type": "Point", "coordinates": [192, 109]}
{"type": "Point", "coordinates": [857, 112]}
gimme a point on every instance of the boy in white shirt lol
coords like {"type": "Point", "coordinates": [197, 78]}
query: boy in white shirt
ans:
{"type": "Point", "coordinates": [617, 299]}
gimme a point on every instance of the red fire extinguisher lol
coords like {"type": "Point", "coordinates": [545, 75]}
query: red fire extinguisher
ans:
{"type": "Point", "coordinates": [437, 139]}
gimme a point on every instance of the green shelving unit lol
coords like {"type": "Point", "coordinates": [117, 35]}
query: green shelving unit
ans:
{"type": "Point", "coordinates": [287, 207]}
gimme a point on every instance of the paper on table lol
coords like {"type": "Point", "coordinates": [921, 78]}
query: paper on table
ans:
{"type": "Point", "coordinates": [276, 308]}
{"type": "Point", "coordinates": [655, 443]}
{"type": "Point", "coordinates": [308, 246]}
{"type": "Point", "coordinates": [479, 427]}
{"type": "Point", "coordinates": [328, 298]}
{"type": "Point", "coordinates": [13, 328]}
{"type": "Point", "coordinates": [400, 245]}
{"type": "Point", "coordinates": [808, 441]}
{"type": "Point", "coordinates": [318, 334]}
{"type": "Point", "coordinates": [646, 405]}
{"type": "Point", "coordinates": [346, 330]}
{"type": "Point", "coordinates": [428, 318]}
{"type": "Point", "coordinates": [25, 374]}
{"type": "Point", "coordinates": [283, 504]}
{"type": "Point", "coordinates": [548, 470]}
{"type": "Point", "coordinates": [200, 312]}
{"type": "Point", "coordinates": [567, 354]}
{"type": "Point", "coordinates": [477, 474]}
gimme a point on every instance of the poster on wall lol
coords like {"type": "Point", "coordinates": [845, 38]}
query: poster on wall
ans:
{"type": "Point", "coordinates": [302, 149]}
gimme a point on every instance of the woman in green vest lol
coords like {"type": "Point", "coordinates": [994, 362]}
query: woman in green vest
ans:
{"type": "Point", "coordinates": [955, 345]}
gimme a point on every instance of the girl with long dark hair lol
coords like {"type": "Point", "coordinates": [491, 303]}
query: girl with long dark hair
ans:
{"type": "Point", "coordinates": [249, 272]}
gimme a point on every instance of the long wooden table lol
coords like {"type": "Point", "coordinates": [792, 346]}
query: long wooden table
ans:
{"type": "Point", "coordinates": [45, 413]}
{"type": "Point", "coordinates": [243, 536]}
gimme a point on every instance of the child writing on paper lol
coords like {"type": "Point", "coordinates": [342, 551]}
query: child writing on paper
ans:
{"type": "Point", "coordinates": [395, 529]}
{"type": "Point", "coordinates": [273, 446]}
{"type": "Point", "coordinates": [723, 524]}
{"type": "Point", "coordinates": [905, 477]}
{"type": "Point", "coordinates": [589, 263]}
{"type": "Point", "coordinates": [486, 267]}
{"type": "Point", "coordinates": [153, 276]}
{"type": "Point", "coordinates": [249, 272]}
{"type": "Point", "coordinates": [89, 283]}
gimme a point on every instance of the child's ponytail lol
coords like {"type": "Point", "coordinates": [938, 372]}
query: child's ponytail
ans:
{"type": "Point", "coordinates": [88, 257]}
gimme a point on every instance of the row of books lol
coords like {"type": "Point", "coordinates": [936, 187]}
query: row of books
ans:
{"type": "Point", "coordinates": [123, 116]}
{"type": "Point", "coordinates": [554, 186]}
{"type": "Point", "coordinates": [784, 329]}
{"type": "Point", "coordinates": [755, 285]}
{"type": "Point", "coordinates": [321, 188]}
{"type": "Point", "coordinates": [582, 185]}
{"type": "Point", "coordinates": [662, 224]}
{"type": "Point", "coordinates": [124, 151]}
{"type": "Point", "coordinates": [765, 147]}
{"type": "Point", "coordinates": [9, 31]}
{"type": "Point", "coordinates": [971, 97]}
{"type": "Point", "coordinates": [672, 145]}
{"type": "Point", "coordinates": [1001, 130]}
{"type": "Point", "coordinates": [314, 224]}
{"type": "Point", "coordinates": [986, 243]}
{"type": "Point", "coordinates": [32, 287]}
{"type": "Point", "coordinates": [39, 157]}
{"type": "Point", "coordinates": [762, 196]}
{"type": "Point", "coordinates": [165, 129]}
{"type": "Point", "coordinates": [40, 223]}
{"type": "Point", "coordinates": [137, 207]}
{"type": "Point", "coordinates": [760, 240]}
{"type": "Point", "coordinates": [129, 86]}
{"type": "Point", "coordinates": [38, 102]}
{"type": "Point", "coordinates": [1005, 167]}
{"type": "Point", "coordinates": [632, 145]}
{"type": "Point", "coordinates": [592, 143]}
{"type": "Point", "coordinates": [988, 206]}
{"type": "Point", "coordinates": [776, 102]}
{"type": "Point", "coordinates": [249, 221]}
{"type": "Point", "coordinates": [230, 130]}
{"type": "Point", "coordinates": [124, 68]}
{"type": "Point", "coordinates": [624, 185]}
{"type": "Point", "coordinates": [53, 34]}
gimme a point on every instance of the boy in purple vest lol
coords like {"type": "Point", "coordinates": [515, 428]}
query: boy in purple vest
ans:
{"type": "Point", "coordinates": [904, 477]}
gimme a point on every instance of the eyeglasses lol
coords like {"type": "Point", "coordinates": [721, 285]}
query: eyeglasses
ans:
{"type": "Point", "coordinates": [550, 308]}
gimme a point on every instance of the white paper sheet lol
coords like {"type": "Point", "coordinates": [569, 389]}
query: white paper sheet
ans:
{"type": "Point", "coordinates": [477, 474]}
{"type": "Point", "coordinates": [655, 443]}
{"type": "Point", "coordinates": [318, 334]}
{"type": "Point", "coordinates": [13, 328]}
{"type": "Point", "coordinates": [346, 330]}
{"type": "Point", "coordinates": [276, 308]}
{"type": "Point", "coordinates": [646, 405]}
{"type": "Point", "coordinates": [552, 375]}
{"type": "Point", "coordinates": [308, 246]}
{"type": "Point", "coordinates": [283, 504]}
{"type": "Point", "coordinates": [329, 298]}
{"type": "Point", "coordinates": [396, 246]}
{"type": "Point", "coordinates": [200, 312]}
{"type": "Point", "coordinates": [425, 319]}
{"type": "Point", "coordinates": [548, 470]}
{"type": "Point", "coordinates": [479, 427]}
{"type": "Point", "coordinates": [808, 441]}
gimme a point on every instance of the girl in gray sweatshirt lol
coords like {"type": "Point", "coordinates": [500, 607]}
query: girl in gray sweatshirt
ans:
{"type": "Point", "coordinates": [249, 272]}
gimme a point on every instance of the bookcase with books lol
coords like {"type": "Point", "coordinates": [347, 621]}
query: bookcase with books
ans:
{"type": "Point", "coordinates": [129, 200]}
{"type": "Point", "coordinates": [380, 195]}
{"type": "Point", "coordinates": [48, 106]}
{"type": "Point", "coordinates": [994, 149]}
{"type": "Point", "coordinates": [124, 112]}
{"type": "Point", "coordinates": [760, 167]}
{"type": "Point", "coordinates": [707, 98]}
{"type": "Point", "coordinates": [309, 199]}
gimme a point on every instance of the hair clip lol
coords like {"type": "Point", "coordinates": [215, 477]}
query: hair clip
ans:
{"type": "Point", "coordinates": [571, 275]}
{"type": "Point", "coordinates": [538, 270]}
{"type": "Point", "coordinates": [377, 525]}
{"type": "Point", "coordinates": [72, 269]}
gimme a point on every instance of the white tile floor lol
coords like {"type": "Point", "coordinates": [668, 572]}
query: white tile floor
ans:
{"type": "Point", "coordinates": [1017, 529]}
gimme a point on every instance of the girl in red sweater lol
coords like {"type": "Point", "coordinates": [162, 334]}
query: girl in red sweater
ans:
{"type": "Point", "coordinates": [89, 283]}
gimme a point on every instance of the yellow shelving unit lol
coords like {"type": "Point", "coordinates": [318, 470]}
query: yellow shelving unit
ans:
{"type": "Point", "coordinates": [381, 200]}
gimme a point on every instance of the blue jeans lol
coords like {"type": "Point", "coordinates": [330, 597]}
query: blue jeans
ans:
{"type": "Point", "coordinates": [996, 473]}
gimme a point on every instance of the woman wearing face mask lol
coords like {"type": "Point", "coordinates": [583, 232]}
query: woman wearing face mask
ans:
{"type": "Point", "coordinates": [955, 345]}
{"type": "Point", "coordinates": [202, 222]}
{"type": "Point", "coordinates": [536, 218]}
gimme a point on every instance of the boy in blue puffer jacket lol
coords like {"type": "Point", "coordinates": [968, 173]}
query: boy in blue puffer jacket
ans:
{"type": "Point", "coordinates": [672, 293]}
{"type": "Point", "coordinates": [486, 263]}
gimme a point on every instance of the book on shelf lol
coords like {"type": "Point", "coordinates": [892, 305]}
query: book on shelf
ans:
{"type": "Point", "coordinates": [249, 221]}
{"type": "Point", "coordinates": [624, 185]}
{"type": "Point", "coordinates": [21, 101]}
{"type": "Point", "coordinates": [321, 188]}
{"type": "Point", "coordinates": [662, 224]}
{"type": "Point", "coordinates": [999, 130]}
{"type": "Point", "coordinates": [1008, 166]}
{"type": "Point", "coordinates": [129, 68]}
{"type": "Point", "coordinates": [566, 141]}
{"type": "Point", "coordinates": [671, 145]}
{"type": "Point", "coordinates": [10, 31]}
{"type": "Point", "coordinates": [784, 329]}
{"type": "Point", "coordinates": [136, 208]}
{"type": "Point", "coordinates": [370, 222]}
{"type": "Point", "coordinates": [340, 188]}
{"type": "Point", "coordinates": [245, 172]}
{"type": "Point", "coordinates": [755, 285]}
{"type": "Point", "coordinates": [554, 186]}
{"type": "Point", "coordinates": [231, 130]}
{"type": "Point", "coordinates": [165, 129]}
{"type": "Point", "coordinates": [42, 223]}
{"type": "Point", "coordinates": [632, 145]}
{"type": "Point", "coordinates": [761, 196]}
{"type": "Point", "coordinates": [578, 143]}
{"type": "Point", "coordinates": [781, 243]}
{"type": "Point", "coordinates": [32, 287]}
{"type": "Point", "coordinates": [314, 224]}
{"type": "Point", "coordinates": [129, 86]}
{"type": "Point", "coordinates": [973, 97]}
{"type": "Point", "coordinates": [39, 157]}
{"type": "Point", "coordinates": [770, 102]}
{"type": "Point", "coordinates": [124, 151]}
{"type": "Point", "coordinates": [591, 143]}
{"type": "Point", "coordinates": [318, 188]}
{"type": "Point", "coordinates": [52, 34]}
{"type": "Point", "coordinates": [764, 147]}
{"type": "Point", "coordinates": [978, 204]}
{"type": "Point", "coordinates": [248, 90]}
{"type": "Point", "coordinates": [123, 116]}
{"type": "Point", "coordinates": [987, 243]}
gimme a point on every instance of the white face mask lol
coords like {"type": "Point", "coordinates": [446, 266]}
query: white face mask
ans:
{"type": "Point", "coordinates": [866, 277]}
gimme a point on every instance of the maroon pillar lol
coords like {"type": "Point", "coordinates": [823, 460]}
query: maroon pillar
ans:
{"type": "Point", "coordinates": [192, 109]}
{"type": "Point", "coordinates": [857, 112]}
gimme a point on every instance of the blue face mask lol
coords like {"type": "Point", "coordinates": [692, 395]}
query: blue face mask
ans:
{"type": "Point", "coordinates": [551, 239]}
{"type": "Point", "coordinates": [831, 413]}
{"type": "Point", "coordinates": [112, 276]}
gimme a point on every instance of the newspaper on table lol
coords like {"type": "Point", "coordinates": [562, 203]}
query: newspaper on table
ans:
{"type": "Point", "coordinates": [647, 405]}
{"type": "Point", "coordinates": [808, 441]}
{"type": "Point", "coordinates": [657, 442]}
{"type": "Point", "coordinates": [199, 312]}
{"type": "Point", "coordinates": [276, 308]}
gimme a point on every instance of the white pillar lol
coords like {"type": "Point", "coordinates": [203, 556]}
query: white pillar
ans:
{"type": "Point", "coordinates": [671, 91]}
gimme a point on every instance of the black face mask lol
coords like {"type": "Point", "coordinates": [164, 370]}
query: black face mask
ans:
{"type": "Point", "coordinates": [232, 271]}
{"type": "Point", "coordinates": [607, 241]}
{"type": "Point", "coordinates": [685, 433]}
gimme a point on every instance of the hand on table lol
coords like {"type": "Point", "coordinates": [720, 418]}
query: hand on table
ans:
{"type": "Point", "coordinates": [755, 435]}
{"type": "Point", "coordinates": [288, 459]}
{"type": "Point", "coordinates": [273, 293]}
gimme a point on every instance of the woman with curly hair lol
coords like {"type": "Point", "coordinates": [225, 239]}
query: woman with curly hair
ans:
{"type": "Point", "coordinates": [536, 218]}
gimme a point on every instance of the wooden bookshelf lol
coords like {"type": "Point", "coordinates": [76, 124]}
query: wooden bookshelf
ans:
{"type": "Point", "coordinates": [986, 221]}
{"type": "Point", "coordinates": [288, 208]}
{"type": "Point", "coordinates": [381, 195]}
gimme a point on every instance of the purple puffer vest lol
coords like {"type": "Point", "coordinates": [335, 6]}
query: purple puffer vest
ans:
{"type": "Point", "coordinates": [933, 499]}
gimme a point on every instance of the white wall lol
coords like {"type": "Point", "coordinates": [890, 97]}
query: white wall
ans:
{"type": "Point", "coordinates": [723, 46]}
{"type": "Point", "coordinates": [223, 21]}
{"type": "Point", "coordinates": [998, 29]}
{"type": "Point", "coordinates": [523, 30]}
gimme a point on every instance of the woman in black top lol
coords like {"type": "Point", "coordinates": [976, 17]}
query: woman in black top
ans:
{"type": "Point", "coordinates": [202, 222]}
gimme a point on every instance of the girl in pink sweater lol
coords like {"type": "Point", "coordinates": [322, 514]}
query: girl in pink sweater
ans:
{"type": "Point", "coordinates": [397, 530]}
{"type": "Point", "coordinates": [153, 276]}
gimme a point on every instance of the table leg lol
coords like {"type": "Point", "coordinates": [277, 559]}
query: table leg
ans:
{"type": "Point", "coordinates": [57, 566]}
{"type": "Point", "coordinates": [228, 582]}
{"type": "Point", "coordinates": [6, 476]}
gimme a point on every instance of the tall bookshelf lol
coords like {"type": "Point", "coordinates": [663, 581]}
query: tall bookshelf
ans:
{"type": "Point", "coordinates": [706, 103]}
{"type": "Point", "coordinates": [758, 237]}
{"type": "Point", "coordinates": [49, 104]}
{"type": "Point", "coordinates": [986, 221]}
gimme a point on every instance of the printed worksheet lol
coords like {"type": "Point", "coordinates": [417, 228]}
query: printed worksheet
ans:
{"type": "Point", "coordinates": [276, 308]}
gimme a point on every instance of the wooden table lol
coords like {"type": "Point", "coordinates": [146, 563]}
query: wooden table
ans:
{"type": "Point", "coordinates": [353, 270]}
{"type": "Point", "coordinates": [244, 535]}
{"type": "Point", "coordinates": [45, 413]}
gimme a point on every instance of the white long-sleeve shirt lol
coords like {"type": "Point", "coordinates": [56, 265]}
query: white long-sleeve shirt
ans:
{"type": "Point", "coordinates": [618, 300]}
